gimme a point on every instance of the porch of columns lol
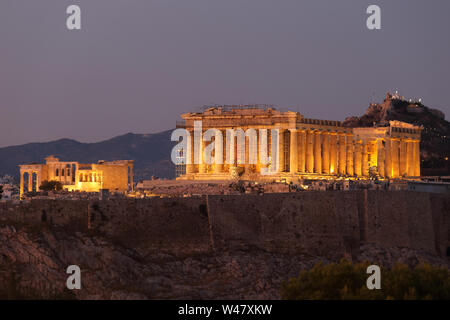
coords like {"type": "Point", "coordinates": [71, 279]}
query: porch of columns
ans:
{"type": "Point", "coordinates": [30, 180]}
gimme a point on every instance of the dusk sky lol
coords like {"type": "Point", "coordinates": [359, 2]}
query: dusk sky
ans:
{"type": "Point", "coordinates": [136, 65]}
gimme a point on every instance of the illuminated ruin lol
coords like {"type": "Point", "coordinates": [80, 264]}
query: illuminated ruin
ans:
{"type": "Point", "coordinates": [308, 148]}
{"type": "Point", "coordinates": [115, 176]}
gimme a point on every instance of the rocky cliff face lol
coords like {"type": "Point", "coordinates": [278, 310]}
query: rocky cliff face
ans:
{"type": "Point", "coordinates": [33, 266]}
{"type": "Point", "coordinates": [229, 247]}
{"type": "Point", "coordinates": [435, 144]}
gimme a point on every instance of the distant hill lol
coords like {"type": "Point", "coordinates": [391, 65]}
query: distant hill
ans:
{"type": "Point", "coordinates": [151, 153]}
{"type": "Point", "coordinates": [435, 142]}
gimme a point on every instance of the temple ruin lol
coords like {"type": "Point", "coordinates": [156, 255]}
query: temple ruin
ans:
{"type": "Point", "coordinates": [308, 148]}
{"type": "Point", "coordinates": [115, 176]}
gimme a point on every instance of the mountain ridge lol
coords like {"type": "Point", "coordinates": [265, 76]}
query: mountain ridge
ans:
{"type": "Point", "coordinates": [151, 153]}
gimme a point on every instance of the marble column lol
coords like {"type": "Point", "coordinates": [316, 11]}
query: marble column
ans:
{"type": "Point", "coordinates": [30, 181]}
{"type": "Point", "coordinates": [342, 154]}
{"type": "Point", "coordinates": [410, 158]}
{"type": "Point", "coordinates": [190, 167]}
{"type": "Point", "coordinates": [403, 169]}
{"type": "Point", "coordinates": [333, 153]}
{"type": "Point", "coordinates": [365, 159]}
{"type": "Point", "coordinates": [388, 158]}
{"type": "Point", "coordinates": [349, 154]}
{"type": "Point", "coordinates": [21, 182]}
{"type": "Point", "coordinates": [380, 158]}
{"type": "Point", "coordinates": [395, 158]}
{"type": "Point", "coordinates": [326, 152]}
{"type": "Point", "coordinates": [131, 178]}
{"type": "Point", "coordinates": [309, 152]}
{"type": "Point", "coordinates": [293, 155]}
{"type": "Point", "coordinates": [317, 152]}
{"type": "Point", "coordinates": [218, 152]}
{"type": "Point", "coordinates": [281, 163]}
{"type": "Point", "coordinates": [417, 158]}
{"type": "Point", "coordinates": [202, 164]}
{"type": "Point", "coordinates": [247, 154]}
{"type": "Point", "coordinates": [231, 152]}
{"type": "Point", "coordinates": [358, 158]}
{"type": "Point", "coordinates": [38, 179]}
{"type": "Point", "coordinates": [302, 154]}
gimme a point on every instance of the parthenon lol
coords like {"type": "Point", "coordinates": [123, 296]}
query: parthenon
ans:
{"type": "Point", "coordinates": [111, 175]}
{"type": "Point", "coordinates": [308, 148]}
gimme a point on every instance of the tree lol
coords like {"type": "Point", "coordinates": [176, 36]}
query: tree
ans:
{"type": "Point", "coordinates": [51, 185]}
{"type": "Point", "coordinates": [347, 281]}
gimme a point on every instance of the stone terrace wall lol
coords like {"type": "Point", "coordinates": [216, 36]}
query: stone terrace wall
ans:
{"type": "Point", "coordinates": [318, 223]}
{"type": "Point", "coordinates": [331, 224]}
{"type": "Point", "coordinates": [55, 212]}
{"type": "Point", "coordinates": [402, 219]}
{"type": "Point", "coordinates": [177, 225]}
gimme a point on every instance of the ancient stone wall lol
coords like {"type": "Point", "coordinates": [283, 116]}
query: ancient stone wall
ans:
{"type": "Point", "coordinates": [331, 224]}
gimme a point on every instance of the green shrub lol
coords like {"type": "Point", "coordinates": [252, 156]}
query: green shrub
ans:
{"type": "Point", "coordinates": [344, 280]}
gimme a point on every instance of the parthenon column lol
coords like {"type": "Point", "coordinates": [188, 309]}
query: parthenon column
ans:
{"type": "Point", "coordinates": [224, 150]}
{"type": "Point", "coordinates": [416, 158]}
{"type": "Point", "coordinates": [302, 154]}
{"type": "Point", "coordinates": [309, 151]}
{"type": "Point", "coordinates": [293, 156]}
{"type": "Point", "coordinates": [350, 166]}
{"type": "Point", "coordinates": [395, 157]}
{"type": "Point", "coordinates": [281, 163]}
{"type": "Point", "coordinates": [247, 153]}
{"type": "Point", "coordinates": [342, 154]}
{"type": "Point", "coordinates": [380, 158]}
{"type": "Point", "coordinates": [326, 153]}
{"type": "Point", "coordinates": [218, 152]}
{"type": "Point", "coordinates": [410, 158]}
{"type": "Point", "coordinates": [231, 153]}
{"type": "Point", "coordinates": [403, 171]}
{"type": "Point", "coordinates": [365, 159]}
{"type": "Point", "coordinates": [317, 152]}
{"type": "Point", "coordinates": [333, 153]}
{"type": "Point", "coordinates": [388, 158]}
{"type": "Point", "coordinates": [202, 164]}
{"type": "Point", "coordinates": [358, 156]}
{"type": "Point", "coordinates": [190, 153]}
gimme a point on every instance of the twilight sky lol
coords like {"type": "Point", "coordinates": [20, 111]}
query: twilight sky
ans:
{"type": "Point", "coordinates": [137, 64]}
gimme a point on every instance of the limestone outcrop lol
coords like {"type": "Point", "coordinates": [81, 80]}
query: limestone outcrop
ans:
{"type": "Point", "coordinates": [236, 247]}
